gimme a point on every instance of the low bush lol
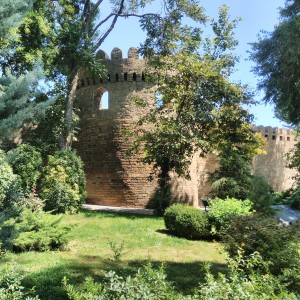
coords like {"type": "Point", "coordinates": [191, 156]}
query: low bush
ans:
{"type": "Point", "coordinates": [187, 221]}
{"type": "Point", "coordinates": [294, 199]}
{"type": "Point", "coordinates": [222, 211]}
{"type": "Point", "coordinates": [33, 230]}
{"type": "Point", "coordinates": [147, 284]}
{"type": "Point", "coordinates": [11, 287]}
{"type": "Point", "coordinates": [26, 162]}
{"type": "Point", "coordinates": [276, 243]}
{"type": "Point", "coordinates": [63, 183]}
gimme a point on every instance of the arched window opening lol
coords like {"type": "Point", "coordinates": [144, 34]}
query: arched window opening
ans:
{"type": "Point", "coordinates": [101, 99]}
{"type": "Point", "coordinates": [158, 99]}
{"type": "Point", "coordinates": [125, 76]}
{"type": "Point", "coordinates": [134, 76]}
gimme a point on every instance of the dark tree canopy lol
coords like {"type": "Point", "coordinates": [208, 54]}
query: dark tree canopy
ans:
{"type": "Point", "coordinates": [277, 57]}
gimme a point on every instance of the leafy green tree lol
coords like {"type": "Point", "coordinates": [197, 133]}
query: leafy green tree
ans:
{"type": "Point", "coordinates": [236, 144]}
{"type": "Point", "coordinates": [199, 108]}
{"type": "Point", "coordinates": [276, 55]}
{"type": "Point", "coordinates": [21, 101]}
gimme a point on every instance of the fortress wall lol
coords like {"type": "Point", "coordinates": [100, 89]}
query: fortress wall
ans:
{"type": "Point", "coordinates": [116, 179]}
{"type": "Point", "coordinates": [273, 164]}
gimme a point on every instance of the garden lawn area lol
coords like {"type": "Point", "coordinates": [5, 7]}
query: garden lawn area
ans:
{"type": "Point", "coordinates": [101, 241]}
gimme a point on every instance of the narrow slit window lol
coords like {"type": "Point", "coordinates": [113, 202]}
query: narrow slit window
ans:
{"type": "Point", "coordinates": [125, 76]}
{"type": "Point", "coordinates": [134, 76]}
{"type": "Point", "coordinates": [104, 103]}
{"type": "Point", "coordinates": [117, 77]}
{"type": "Point", "coordinates": [273, 137]}
{"type": "Point", "coordinates": [101, 99]}
{"type": "Point", "coordinates": [288, 138]}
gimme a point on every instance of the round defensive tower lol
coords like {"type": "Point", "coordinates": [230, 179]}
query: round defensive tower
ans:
{"type": "Point", "coordinates": [107, 114]}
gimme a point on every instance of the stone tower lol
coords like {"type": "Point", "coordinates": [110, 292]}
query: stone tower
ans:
{"type": "Point", "coordinates": [107, 115]}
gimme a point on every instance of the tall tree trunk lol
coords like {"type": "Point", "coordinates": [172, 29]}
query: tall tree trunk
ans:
{"type": "Point", "coordinates": [65, 139]}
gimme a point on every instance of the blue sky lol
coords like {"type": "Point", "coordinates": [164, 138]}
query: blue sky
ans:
{"type": "Point", "coordinates": [256, 15]}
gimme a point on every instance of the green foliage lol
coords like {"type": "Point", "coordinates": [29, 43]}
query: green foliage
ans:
{"type": "Point", "coordinates": [244, 282]}
{"type": "Point", "coordinates": [21, 97]}
{"type": "Point", "coordinates": [33, 230]}
{"type": "Point", "coordinates": [11, 287]}
{"type": "Point", "coordinates": [276, 243]}
{"type": "Point", "coordinates": [197, 98]}
{"type": "Point", "coordinates": [260, 195]}
{"type": "Point", "coordinates": [187, 221]}
{"type": "Point", "coordinates": [148, 284]}
{"type": "Point", "coordinates": [117, 249]}
{"type": "Point", "coordinates": [26, 162]}
{"type": "Point", "coordinates": [221, 211]}
{"type": "Point", "coordinates": [294, 199]}
{"type": "Point", "coordinates": [282, 198]}
{"type": "Point", "coordinates": [9, 185]}
{"type": "Point", "coordinates": [276, 55]}
{"type": "Point", "coordinates": [63, 182]}
{"type": "Point", "coordinates": [235, 144]}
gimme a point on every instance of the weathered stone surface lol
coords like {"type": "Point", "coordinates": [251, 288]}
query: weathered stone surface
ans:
{"type": "Point", "coordinates": [116, 179]}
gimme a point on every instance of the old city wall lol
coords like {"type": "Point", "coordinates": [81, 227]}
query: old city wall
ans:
{"type": "Point", "coordinates": [116, 179]}
{"type": "Point", "coordinates": [273, 164]}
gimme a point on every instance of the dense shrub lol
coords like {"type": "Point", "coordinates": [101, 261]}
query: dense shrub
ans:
{"type": "Point", "coordinates": [261, 196]}
{"type": "Point", "coordinates": [276, 243]}
{"type": "Point", "coordinates": [9, 186]}
{"type": "Point", "coordinates": [11, 287]}
{"type": "Point", "coordinates": [222, 211]}
{"type": "Point", "coordinates": [63, 182]}
{"type": "Point", "coordinates": [294, 199]}
{"type": "Point", "coordinates": [147, 284]}
{"type": "Point", "coordinates": [242, 283]}
{"type": "Point", "coordinates": [187, 221]}
{"type": "Point", "coordinates": [26, 162]}
{"type": "Point", "coordinates": [33, 230]}
{"type": "Point", "coordinates": [295, 203]}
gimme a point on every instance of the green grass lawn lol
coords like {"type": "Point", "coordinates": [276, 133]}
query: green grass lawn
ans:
{"type": "Point", "coordinates": [90, 252]}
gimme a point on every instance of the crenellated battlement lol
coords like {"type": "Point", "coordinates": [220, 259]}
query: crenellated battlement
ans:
{"type": "Point", "coordinates": [119, 69]}
{"type": "Point", "coordinates": [276, 134]}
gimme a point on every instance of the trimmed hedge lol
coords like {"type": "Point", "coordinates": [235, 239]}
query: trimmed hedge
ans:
{"type": "Point", "coordinates": [187, 221]}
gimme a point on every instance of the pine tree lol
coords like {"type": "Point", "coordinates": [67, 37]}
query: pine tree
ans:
{"type": "Point", "coordinates": [21, 98]}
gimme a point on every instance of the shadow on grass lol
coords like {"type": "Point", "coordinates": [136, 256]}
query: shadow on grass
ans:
{"type": "Point", "coordinates": [117, 214]}
{"type": "Point", "coordinates": [49, 286]}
